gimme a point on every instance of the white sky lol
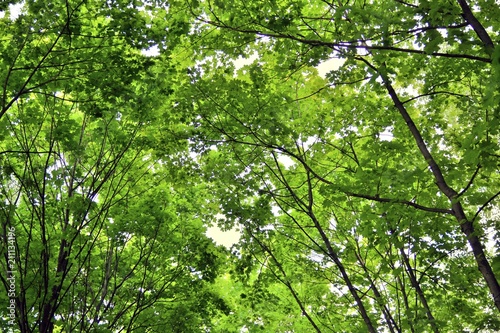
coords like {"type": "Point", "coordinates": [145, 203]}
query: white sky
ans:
{"type": "Point", "coordinates": [15, 11]}
{"type": "Point", "coordinates": [225, 238]}
{"type": "Point", "coordinates": [323, 68]}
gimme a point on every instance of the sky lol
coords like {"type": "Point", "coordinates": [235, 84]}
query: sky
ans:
{"type": "Point", "coordinates": [15, 10]}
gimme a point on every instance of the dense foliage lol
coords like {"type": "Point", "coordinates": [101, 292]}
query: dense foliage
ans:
{"type": "Point", "coordinates": [366, 196]}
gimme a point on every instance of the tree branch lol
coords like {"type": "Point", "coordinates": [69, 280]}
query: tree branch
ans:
{"type": "Point", "coordinates": [403, 202]}
{"type": "Point", "coordinates": [342, 45]}
{"type": "Point", "coordinates": [477, 26]}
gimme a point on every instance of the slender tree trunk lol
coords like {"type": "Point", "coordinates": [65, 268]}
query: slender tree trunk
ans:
{"type": "Point", "coordinates": [420, 292]}
{"type": "Point", "coordinates": [286, 282]}
{"type": "Point", "coordinates": [466, 226]}
{"type": "Point", "coordinates": [476, 25]}
{"type": "Point", "coordinates": [393, 327]}
{"type": "Point", "coordinates": [333, 255]}
{"type": "Point", "coordinates": [405, 301]}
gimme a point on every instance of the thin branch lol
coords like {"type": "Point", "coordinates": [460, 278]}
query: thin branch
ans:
{"type": "Point", "coordinates": [485, 205]}
{"type": "Point", "coordinates": [470, 181]}
{"type": "Point", "coordinates": [407, 4]}
{"type": "Point", "coordinates": [285, 280]}
{"type": "Point", "coordinates": [403, 202]}
{"type": "Point", "coordinates": [343, 45]}
{"type": "Point", "coordinates": [434, 93]}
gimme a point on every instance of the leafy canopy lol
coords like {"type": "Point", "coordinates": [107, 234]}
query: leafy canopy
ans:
{"type": "Point", "coordinates": [366, 197]}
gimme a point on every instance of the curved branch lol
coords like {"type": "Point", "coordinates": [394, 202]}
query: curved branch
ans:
{"type": "Point", "coordinates": [342, 45]}
{"type": "Point", "coordinates": [434, 93]}
{"type": "Point", "coordinates": [403, 202]}
{"type": "Point", "coordinates": [485, 205]}
{"type": "Point", "coordinates": [470, 182]}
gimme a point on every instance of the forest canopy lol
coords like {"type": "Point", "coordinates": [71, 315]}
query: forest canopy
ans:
{"type": "Point", "coordinates": [365, 195]}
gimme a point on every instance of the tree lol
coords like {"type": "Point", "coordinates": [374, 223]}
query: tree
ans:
{"type": "Point", "coordinates": [101, 227]}
{"type": "Point", "coordinates": [389, 222]}
{"type": "Point", "coordinates": [366, 195]}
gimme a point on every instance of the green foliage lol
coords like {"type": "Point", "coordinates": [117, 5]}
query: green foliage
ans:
{"type": "Point", "coordinates": [108, 234]}
{"type": "Point", "coordinates": [333, 184]}
{"type": "Point", "coordinates": [359, 192]}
